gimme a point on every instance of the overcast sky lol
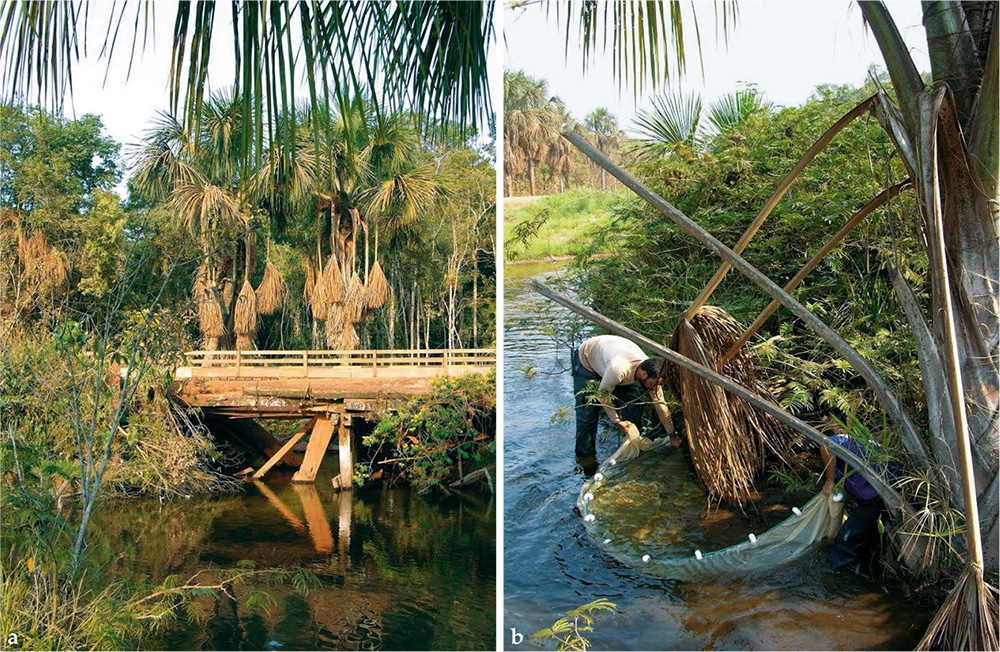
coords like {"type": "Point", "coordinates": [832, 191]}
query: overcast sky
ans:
{"type": "Point", "coordinates": [786, 48]}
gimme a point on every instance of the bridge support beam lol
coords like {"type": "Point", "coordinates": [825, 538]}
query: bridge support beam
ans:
{"type": "Point", "coordinates": [346, 435]}
{"type": "Point", "coordinates": [316, 449]}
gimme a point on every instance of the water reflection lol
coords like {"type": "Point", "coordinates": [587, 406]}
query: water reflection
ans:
{"type": "Point", "coordinates": [395, 570]}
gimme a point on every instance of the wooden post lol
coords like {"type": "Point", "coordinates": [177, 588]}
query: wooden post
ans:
{"type": "Point", "coordinates": [305, 364]}
{"type": "Point", "coordinates": [346, 478]}
{"type": "Point", "coordinates": [374, 363]}
{"type": "Point", "coordinates": [316, 449]}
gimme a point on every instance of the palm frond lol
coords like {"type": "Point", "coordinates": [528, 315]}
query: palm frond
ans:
{"type": "Point", "coordinates": [672, 120]}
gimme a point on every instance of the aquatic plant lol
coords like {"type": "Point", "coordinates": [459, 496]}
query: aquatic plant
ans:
{"type": "Point", "coordinates": [568, 630]}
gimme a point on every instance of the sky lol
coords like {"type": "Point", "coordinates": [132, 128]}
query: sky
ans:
{"type": "Point", "coordinates": [784, 47]}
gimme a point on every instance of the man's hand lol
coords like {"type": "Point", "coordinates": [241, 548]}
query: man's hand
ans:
{"type": "Point", "coordinates": [675, 440]}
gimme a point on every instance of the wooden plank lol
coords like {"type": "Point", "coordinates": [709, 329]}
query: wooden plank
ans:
{"type": "Point", "coordinates": [284, 449]}
{"type": "Point", "coordinates": [315, 451]}
{"type": "Point", "coordinates": [319, 526]}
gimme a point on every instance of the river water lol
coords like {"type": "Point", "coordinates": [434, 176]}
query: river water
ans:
{"type": "Point", "coordinates": [551, 565]}
{"type": "Point", "coordinates": [396, 571]}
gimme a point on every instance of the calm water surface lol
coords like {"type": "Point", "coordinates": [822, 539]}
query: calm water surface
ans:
{"type": "Point", "coordinates": [551, 566]}
{"type": "Point", "coordinates": [397, 571]}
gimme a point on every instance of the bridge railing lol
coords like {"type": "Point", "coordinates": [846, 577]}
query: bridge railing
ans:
{"type": "Point", "coordinates": [334, 364]}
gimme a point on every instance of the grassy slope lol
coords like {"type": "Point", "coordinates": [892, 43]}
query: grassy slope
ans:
{"type": "Point", "coordinates": [572, 220]}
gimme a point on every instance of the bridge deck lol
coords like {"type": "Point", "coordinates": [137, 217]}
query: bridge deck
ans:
{"type": "Point", "coordinates": [294, 381]}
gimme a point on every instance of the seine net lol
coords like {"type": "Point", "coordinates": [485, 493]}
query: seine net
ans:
{"type": "Point", "coordinates": [630, 510]}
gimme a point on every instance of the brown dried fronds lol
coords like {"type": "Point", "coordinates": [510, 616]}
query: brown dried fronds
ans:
{"type": "Point", "coordinates": [310, 273]}
{"type": "Point", "coordinates": [245, 343]}
{"type": "Point", "coordinates": [968, 618]}
{"type": "Point", "coordinates": [245, 314]}
{"type": "Point", "coordinates": [271, 291]}
{"type": "Point", "coordinates": [376, 288]}
{"type": "Point", "coordinates": [331, 283]}
{"type": "Point", "coordinates": [354, 299]}
{"type": "Point", "coordinates": [210, 320]}
{"type": "Point", "coordinates": [341, 336]}
{"type": "Point", "coordinates": [721, 454]}
{"type": "Point", "coordinates": [728, 436]}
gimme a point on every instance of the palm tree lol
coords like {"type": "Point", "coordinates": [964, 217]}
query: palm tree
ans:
{"type": "Point", "coordinates": [530, 124]}
{"type": "Point", "coordinates": [558, 154]}
{"type": "Point", "coordinates": [199, 178]}
{"type": "Point", "coordinates": [674, 119]}
{"type": "Point", "coordinates": [604, 127]}
{"type": "Point", "coordinates": [732, 109]}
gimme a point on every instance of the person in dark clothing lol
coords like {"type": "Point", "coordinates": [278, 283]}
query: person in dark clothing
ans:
{"type": "Point", "coordinates": [858, 537]}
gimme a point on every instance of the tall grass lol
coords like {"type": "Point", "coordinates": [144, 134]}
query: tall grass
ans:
{"type": "Point", "coordinates": [564, 224]}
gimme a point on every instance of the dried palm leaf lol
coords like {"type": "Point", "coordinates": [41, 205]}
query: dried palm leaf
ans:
{"type": "Point", "coordinates": [332, 283]}
{"type": "Point", "coordinates": [271, 291]}
{"type": "Point", "coordinates": [32, 249]}
{"type": "Point", "coordinates": [341, 337]}
{"type": "Point", "coordinates": [310, 273]}
{"type": "Point", "coordinates": [210, 316]}
{"type": "Point", "coordinates": [245, 314]}
{"type": "Point", "coordinates": [728, 437]}
{"type": "Point", "coordinates": [245, 343]}
{"type": "Point", "coordinates": [968, 618]}
{"type": "Point", "coordinates": [376, 287]}
{"type": "Point", "coordinates": [52, 269]}
{"type": "Point", "coordinates": [354, 299]}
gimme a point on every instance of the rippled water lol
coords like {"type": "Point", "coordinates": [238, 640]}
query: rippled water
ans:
{"type": "Point", "coordinates": [396, 571]}
{"type": "Point", "coordinates": [551, 566]}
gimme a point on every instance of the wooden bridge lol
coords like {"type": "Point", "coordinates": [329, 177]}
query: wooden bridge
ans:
{"type": "Point", "coordinates": [327, 389]}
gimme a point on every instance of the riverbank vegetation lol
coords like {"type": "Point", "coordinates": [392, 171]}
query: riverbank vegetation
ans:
{"type": "Point", "coordinates": [442, 440]}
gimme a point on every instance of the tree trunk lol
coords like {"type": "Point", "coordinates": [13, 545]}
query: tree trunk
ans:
{"type": "Point", "coordinates": [531, 177]}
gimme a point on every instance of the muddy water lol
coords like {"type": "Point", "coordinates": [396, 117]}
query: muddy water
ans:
{"type": "Point", "coordinates": [396, 571]}
{"type": "Point", "coordinates": [551, 566]}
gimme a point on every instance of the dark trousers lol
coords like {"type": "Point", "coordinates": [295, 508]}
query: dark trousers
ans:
{"type": "Point", "coordinates": [588, 412]}
{"type": "Point", "coordinates": [858, 537]}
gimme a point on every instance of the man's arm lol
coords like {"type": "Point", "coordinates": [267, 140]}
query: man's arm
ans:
{"type": "Point", "coordinates": [661, 409]}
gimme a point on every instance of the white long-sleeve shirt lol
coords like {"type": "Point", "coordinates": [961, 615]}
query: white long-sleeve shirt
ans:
{"type": "Point", "coordinates": [615, 360]}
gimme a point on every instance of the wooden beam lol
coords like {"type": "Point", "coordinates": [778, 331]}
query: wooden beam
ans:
{"type": "Point", "coordinates": [284, 449]}
{"type": "Point", "coordinates": [346, 477]}
{"type": "Point", "coordinates": [316, 450]}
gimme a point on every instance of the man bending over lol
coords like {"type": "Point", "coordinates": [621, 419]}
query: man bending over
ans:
{"type": "Point", "coordinates": [624, 372]}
